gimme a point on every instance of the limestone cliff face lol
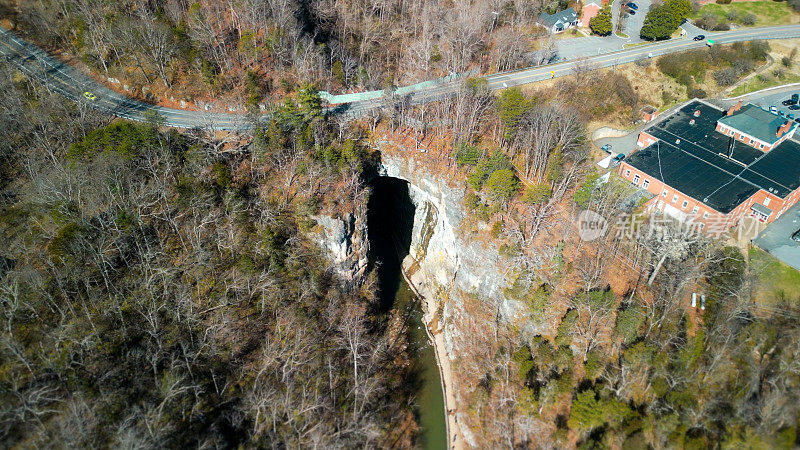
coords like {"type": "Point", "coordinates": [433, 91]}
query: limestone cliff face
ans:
{"type": "Point", "coordinates": [441, 260]}
{"type": "Point", "coordinates": [345, 240]}
{"type": "Point", "coordinates": [444, 264]}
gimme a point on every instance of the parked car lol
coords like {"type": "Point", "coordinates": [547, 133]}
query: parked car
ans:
{"type": "Point", "coordinates": [710, 42]}
{"type": "Point", "coordinates": [790, 116]}
{"type": "Point", "coordinates": [773, 109]}
{"type": "Point", "coordinates": [619, 157]}
{"type": "Point", "coordinates": [632, 12]}
{"type": "Point", "coordinates": [789, 102]}
{"type": "Point", "coordinates": [795, 98]}
{"type": "Point", "coordinates": [699, 37]}
{"type": "Point", "coordinates": [796, 236]}
{"type": "Point", "coordinates": [794, 107]}
{"type": "Point", "coordinates": [633, 6]}
{"type": "Point", "coordinates": [606, 148]}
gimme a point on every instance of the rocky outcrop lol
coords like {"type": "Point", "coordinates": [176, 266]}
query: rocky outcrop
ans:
{"type": "Point", "coordinates": [345, 240]}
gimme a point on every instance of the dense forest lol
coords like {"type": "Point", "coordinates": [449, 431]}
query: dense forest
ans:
{"type": "Point", "coordinates": [618, 359]}
{"type": "Point", "coordinates": [159, 289]}
{"type": "Point", "coordinates": [260, 47]}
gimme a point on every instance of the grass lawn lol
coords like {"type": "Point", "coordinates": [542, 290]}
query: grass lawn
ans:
{"type": "Point", "coordinates": [777, 281]}
{"type": "Point", "coordinates": [767, 13]}
{"type": "Point", "coordinates": [757, 83]}
{"type": "Point", "coordinates": [777, 74]}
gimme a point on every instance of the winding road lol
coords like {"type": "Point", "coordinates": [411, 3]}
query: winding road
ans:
{"type": "Point", "coordinates": [72, 83]}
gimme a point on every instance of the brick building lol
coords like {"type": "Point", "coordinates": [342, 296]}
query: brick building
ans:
{"type": "Point", "coordinates": [714, 166]}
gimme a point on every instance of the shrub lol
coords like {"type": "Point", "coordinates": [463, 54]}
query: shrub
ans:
{"type": "Point", "coordinates": [502, 185]}
{"type": "Point", "coordinates": [468, 155]}
{"type": "Point", "coordinates": [722, 26]}
{"type": "Point", "coordinates": [563, 336]}
{"type": "Point", "coordinates": [697, 93]}
{"type": "Point", "coordinates": [723, 2]}
{"type": "Point", "coordinates": [725, 77]}
{"type": "Point", "coordinates": [497, 229]}
{"type": "Point", "coordinates": [749, 19]}
{"type": "Point", "coordinates": [628, 323]}
{"type": "Point", "coordinates": [708, 21]}
{"type": "Point", "coordinates": [786, 61]}
{"type": "Point", "coordinates": [732, 15]}
{"type": "Point", "coordinates": [538, 193]}
{"type": "Point", "coordinates": [742, 66]}
{"type": "Point", "coordinates": [685, 67]}
{"type": "Point", "coordinates": [795, 4]}
{"type": "Point", "coordinates": [586, 412]}
{"type": "Point", "coordinates": [601, 23]}
{"type": "Point", "coordinates": [222, 175]}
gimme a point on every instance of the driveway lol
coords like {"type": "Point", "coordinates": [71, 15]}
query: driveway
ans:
{"type": "Point", "coordinates": [625, 144]}
{"type": "Point", "coordinates": [583, 47]}
{"type": "Point", "coordinates": [776, 238]}
{"type": "Point", "coordinates": [632, 24]}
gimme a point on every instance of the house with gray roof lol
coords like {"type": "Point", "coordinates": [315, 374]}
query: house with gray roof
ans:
{"type": "Point", "coordinates": [755, 126]}
{"type": "Point", "coordinates": [560, 21]}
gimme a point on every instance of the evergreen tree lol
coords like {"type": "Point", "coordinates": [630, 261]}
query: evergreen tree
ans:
{"type": "Point", "coordinates": [601, 23]}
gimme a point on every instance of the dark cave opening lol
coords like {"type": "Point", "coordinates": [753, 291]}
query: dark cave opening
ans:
{"type": "Point", "coordinates": [390, 221]}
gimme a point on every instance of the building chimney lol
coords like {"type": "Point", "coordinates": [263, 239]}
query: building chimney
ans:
{"type": "Point", "coordinates": [784, 128]}
{"type": "Point", "coordinates": [735, 108]}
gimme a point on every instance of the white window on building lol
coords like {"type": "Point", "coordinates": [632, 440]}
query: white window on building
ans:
{"type": "Point", "coordinates": [646, 183]}
{"type": "Point", "coordinates": [705, 215]}
{"type": "Point", "coordinates": [636, 179]}
{"type": "Point", "coordinates": [664, 194]}
{"type": "Point", "coordinates": [761, 146]}
{"type": "Point", "coordinates": [751, 141]}
{"type": "Point", "coordinates": [674, 198]}
{"type": "Point", "coordinates": [627, 173]}
{"type": "Point", "coordinates": [685, 204]}
{"type": "Point", "coordinates": [695, 209]}
{"type": "Point", "coordinates": [766, 201]}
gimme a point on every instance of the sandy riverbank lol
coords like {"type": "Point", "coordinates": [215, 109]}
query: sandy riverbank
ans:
{"type": "Point", "coordinates": [454, 437]}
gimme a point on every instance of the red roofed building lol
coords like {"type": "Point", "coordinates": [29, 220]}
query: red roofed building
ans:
{"type": "Point", "coordinates": [588, 11]}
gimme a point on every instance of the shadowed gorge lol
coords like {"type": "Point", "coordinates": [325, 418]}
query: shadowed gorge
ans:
{"type": "Point", "coordinates": [390, 222]}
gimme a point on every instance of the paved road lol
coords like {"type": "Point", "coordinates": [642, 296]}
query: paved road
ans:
{"type": "Point", "coordinates": [776, 239]}
{"type": "Point", "coordinates": [72, 83]}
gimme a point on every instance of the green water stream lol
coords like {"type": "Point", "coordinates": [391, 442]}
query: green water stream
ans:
{"type": "Point", "coordinates": [390, 218]}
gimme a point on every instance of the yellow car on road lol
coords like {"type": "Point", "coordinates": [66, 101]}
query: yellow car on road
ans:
{"type": "Point", "coordinates": [89, 96]}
